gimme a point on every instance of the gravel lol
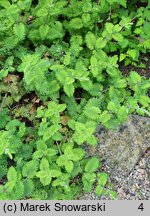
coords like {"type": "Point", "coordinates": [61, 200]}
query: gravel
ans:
{"type": "Point", "coordinates": [135, 186]}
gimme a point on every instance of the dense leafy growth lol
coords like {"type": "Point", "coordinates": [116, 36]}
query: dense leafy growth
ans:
{"type": "Point", "coordinates": [60, 77]}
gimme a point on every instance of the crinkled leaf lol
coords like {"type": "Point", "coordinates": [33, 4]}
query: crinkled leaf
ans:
{"type": "Point", "coordinates": [92, 165]}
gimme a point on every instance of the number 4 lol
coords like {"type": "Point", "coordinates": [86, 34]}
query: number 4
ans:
{"type": "Point", "coordinates": [141, 207]}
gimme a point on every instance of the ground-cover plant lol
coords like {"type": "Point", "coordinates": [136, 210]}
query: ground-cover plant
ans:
{"type": "Point", "coordinates": [59, 79]}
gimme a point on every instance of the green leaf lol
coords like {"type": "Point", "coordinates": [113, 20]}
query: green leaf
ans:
{"type": "Point", "coordinates": [44, 164]}
{"type": "Point", "coordinates": [12, 174]}
{"type": "Point", "coordinates": [70, 155]}
{"type": "Point", "coordinates": [12, 179]}
{"type": "Point", "coordinates": [94, 66]}
{"type": "Point", "coordinates": [3, 73]}
{"type": "Point", "coordinates": [90, 40]}
{"type": "Point", "coordinates": [43, 30]}
{"type": "Point", "coordinates": [146, 28]}
{"type": "Point", "coordinates": [121, 83]}
{"type": "Point", "coordinates": [76, 23]}
{"type": "Point", "coordinates": [50, 131]}
{"type": "Point", "coordinates": [53, 86]}
{"type": "Point", "coordinates": [112, 106]}
{"type": "Point", "coordinates": [92, 140]}
{"type": "Point", "coordinates": [102, 178]}
{"type": "Point", "coordinates": [5, 4]}
{"type": "Point", "coordinates": [122, 57]}
{"type": "Point", "coordinates": [92, 165]}
{"type": "Point", "coordinates": [123, 3]}
{"type": "Point", "coordinates": [74, 154]}
{"type": "Point", "coordinates": [62, 160]}
{"type": "Point", "coordinates": [28, 187]}
{"type": "Point", "coordinates": [83, 131]}
{"type": "Point", "coordinates": [99, 190]}
{"type": "Point", "coordinates": [69, 90]}
{"type": "Point", "coordinates": [109, 27]}
{"type": "Point", "coordinates": [42, 12]}
{"type": "Point", "coordinates": [135, 77]}
{"type": "Point", "coordinates": [145, 85]}
{"type": "Point", "coordinates": [45, 179]}
{"type": "Point", "coordinates": [95, 112]}
{"type": "Point", "coordinates": [46, 174]}
{"type": "Point", "coordinates": [88, 179]}
{"type": "Point", "coordinates": [25, 5]}
{"type": "Point", "coordinates": [54, 109]}
{"type": "Point", "coordinates": [133, 53]}
{"type": "Point", "coordinates": [105, 116]}
{"type": "Point", "coordinates": [63, 181]}
{"type": "Point", "coordinates": [38, 154]}
{"type": "Point", "coordinates": [76, 169]}
{"type": "Point", "coordinates": [144, 100]}
{"type": "Point", "coordinates": [29, 169]}
{"type": "Point", "coordinates": [113, 195]}
{"type": "Point", "coordinates": [118, 37]}
{"type": "Point", "coordinates": [19, 30]}
{"type": "Point", "coordinates": [100, 43]}
{"type": "Point", "coordinates": [55, 173]}
{"type": "Point", "coordinates": [113, 72]}
{"type": "Point", "coordinates": [117, 28]}
{"type": "Point", "coordinates": [4, 118]}
{"type": "Point", "coordinates": [122, 114]}
{"type": "Point", "coordinates": [40, 112]}
{"type": "Point", "coordinates": [51, 152]}
{"type": "Point", "coordinates": [67, 58]}
{"type": "Point", "coordinates": [69, 166]}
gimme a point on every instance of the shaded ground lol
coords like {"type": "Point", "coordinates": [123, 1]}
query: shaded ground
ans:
{"type": "Point", "coordinates": [142, 71]}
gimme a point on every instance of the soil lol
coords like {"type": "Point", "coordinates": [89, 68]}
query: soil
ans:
{"type": "Point", "coordinates": [142, 71]}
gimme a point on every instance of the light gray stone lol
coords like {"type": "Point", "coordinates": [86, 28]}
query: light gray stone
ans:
{"type": "Point", "coordinates": [121, 152]}
{"type": "Point", "coordinates": [122, 149]}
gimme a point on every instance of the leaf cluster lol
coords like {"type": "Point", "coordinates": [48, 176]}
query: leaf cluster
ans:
{"type": "Point", "coordinates": [59, 78]}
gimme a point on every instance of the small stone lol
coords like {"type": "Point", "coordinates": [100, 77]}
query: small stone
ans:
{"type": "Point", "coordinates": [142, 171]}
{"type": "Point", "coordinates": [133, 189]}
